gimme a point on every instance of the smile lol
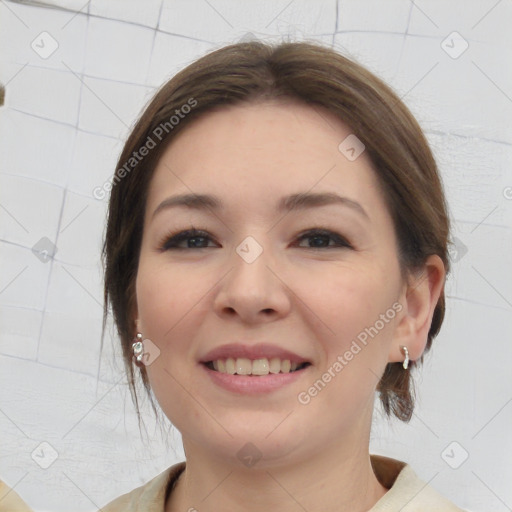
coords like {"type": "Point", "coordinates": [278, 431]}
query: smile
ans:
{"type": "Point", "coordinates": [255, 367]}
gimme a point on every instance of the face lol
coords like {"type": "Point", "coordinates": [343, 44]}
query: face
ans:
{"type": "Point", "coordinates": [267, 278]}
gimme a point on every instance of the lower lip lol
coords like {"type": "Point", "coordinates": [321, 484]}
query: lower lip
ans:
{"type": "Point", "coordinates": [252, 385]}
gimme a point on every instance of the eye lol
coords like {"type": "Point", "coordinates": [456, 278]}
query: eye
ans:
{"type": "Point", "coordinates": [197, 237]}
{"type": "Point", "coordinates": [321, 238]}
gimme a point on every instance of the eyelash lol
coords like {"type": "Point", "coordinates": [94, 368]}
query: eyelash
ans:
{"type": "Point", "coordinates": [171, 241]}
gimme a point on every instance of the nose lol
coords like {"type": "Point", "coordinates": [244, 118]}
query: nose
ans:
{"type": "Point", "coordinates": [253, 290]}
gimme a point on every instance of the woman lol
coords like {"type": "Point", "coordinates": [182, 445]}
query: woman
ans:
{"type": "Point", "coordinates": [276, 252]}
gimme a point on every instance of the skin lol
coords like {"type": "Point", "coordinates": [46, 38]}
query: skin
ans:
{"type": "Point", "coordinates": [313, 301]}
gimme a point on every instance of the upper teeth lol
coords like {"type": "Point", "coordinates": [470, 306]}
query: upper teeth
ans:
{"type": "Point", "coordinates": [245, 366]}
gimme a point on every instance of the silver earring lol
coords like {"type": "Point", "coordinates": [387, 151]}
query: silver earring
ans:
{"type": "Point", "coordinates": [138, 350]}
{"type": "Point", "coordinates": [406, 360]}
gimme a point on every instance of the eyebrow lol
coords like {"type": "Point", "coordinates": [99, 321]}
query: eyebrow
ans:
{"type": "Point", "coordinates": [299, 201]}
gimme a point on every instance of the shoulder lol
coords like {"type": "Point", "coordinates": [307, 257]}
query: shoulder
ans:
{"type": "Point", "coordinates": [149, 497]}
{"type": "Point", "coordinates": [407, 492]}
{"type": "Point", "coordinates": [10, 501]}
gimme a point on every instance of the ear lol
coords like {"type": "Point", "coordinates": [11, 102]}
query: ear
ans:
{"type": "Point", "coordinates": [419, 298]}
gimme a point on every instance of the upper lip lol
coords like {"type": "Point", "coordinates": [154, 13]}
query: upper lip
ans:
{"type": "Point", "coordinates": [256, 351]}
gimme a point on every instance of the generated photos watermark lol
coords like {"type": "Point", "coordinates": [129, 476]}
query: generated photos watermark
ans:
{"type": "Point", "coordinates": [156, 136]}
{"type": "Point", "coordinates": [305, 397]}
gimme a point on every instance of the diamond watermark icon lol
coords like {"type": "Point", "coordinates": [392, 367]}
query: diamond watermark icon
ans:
{"type": "Point", "coordinates": [457, 250]}
{"type": "Point", "coordinates": [454, 45]}
{"type": "Point", "coordinates": [146, 351]}
{"type": "Point", "coordinates": [351, 147]}
{"type": "Point", "coordinates": [249, 250]}
{"type": "Point", "coordinates": [248, 37]}
{"type": "Point", "coordinates": [454, 455]}
{"type": "Point", "coordinates": [249, 455]}
{"type": "Point", "coordinates": [44, 249]}
{"type": "Point", "coordinates": [45, 45]}
{"type": "Point", "coordinates": [44, 455]}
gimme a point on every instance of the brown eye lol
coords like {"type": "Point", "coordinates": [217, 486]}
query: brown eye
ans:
{"type": "Point", "coordinates": [321, 239]}
{"type": "Point", "coordinates": [196, 239]}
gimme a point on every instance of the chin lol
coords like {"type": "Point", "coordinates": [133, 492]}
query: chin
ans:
{"type": "Point", "coordinates": [252, 440]}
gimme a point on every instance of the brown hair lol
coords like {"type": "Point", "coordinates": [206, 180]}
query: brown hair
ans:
{"type": "Point", "coordinates": [315, 75]}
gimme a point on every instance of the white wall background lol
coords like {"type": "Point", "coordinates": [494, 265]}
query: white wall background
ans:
{"type": "Point", "coordinates": [61, 130]}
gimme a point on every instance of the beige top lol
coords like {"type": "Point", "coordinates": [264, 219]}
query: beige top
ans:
{"type": "Point", "coordinates": [10, 500]}
{"type": "Point", "coordinates": [407, 493]}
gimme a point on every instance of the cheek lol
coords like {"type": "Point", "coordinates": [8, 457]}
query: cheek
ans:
{"type": "Point", "coordinates": [164, 296]}
{"type": "Point", "coordinates": [167, 302]}
{"type": "Point", "coordinates": [354, 344]}
{"type": "Point", "coordinates": [346, 308]}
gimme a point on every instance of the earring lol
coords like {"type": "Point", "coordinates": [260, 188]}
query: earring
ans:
{"type": "Point", "coordinates": [138, 350]}
{"type": "Point", "coordinates": [406, 360]}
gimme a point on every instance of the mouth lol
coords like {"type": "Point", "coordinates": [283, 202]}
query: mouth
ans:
{"type": "Point", "coordinates": [255, 367]}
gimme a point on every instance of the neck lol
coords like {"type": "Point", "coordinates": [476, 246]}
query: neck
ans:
{"type": "Point", "coordinates": [334, 481]}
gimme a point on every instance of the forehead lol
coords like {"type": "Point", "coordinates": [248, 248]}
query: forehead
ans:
{"type": "Point", "coordinates": [260, 149]}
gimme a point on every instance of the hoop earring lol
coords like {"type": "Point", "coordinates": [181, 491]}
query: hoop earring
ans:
{"type": "Point", "coordinates": [138, 350]}
{"type": "Point", "coordinates": [406, 360]}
